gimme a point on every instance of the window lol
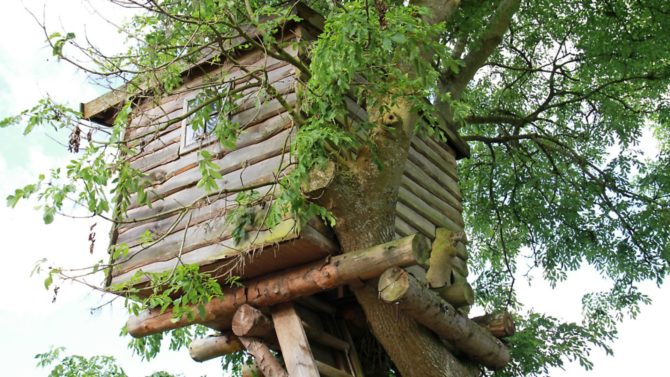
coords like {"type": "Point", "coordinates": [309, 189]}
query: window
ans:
{"type": "Point", "coordinates": [198, 128]}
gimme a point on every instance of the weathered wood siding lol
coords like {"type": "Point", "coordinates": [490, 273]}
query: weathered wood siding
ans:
{"type": "Point", "coordinates": [201, 235]}
{"type": "Point", "coordinates": [429, 196]}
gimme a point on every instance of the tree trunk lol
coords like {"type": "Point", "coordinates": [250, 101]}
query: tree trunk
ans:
{"type": "Point", "coordinates": [363, 198]}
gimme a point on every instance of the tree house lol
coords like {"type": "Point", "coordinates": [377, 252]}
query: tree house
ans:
{"type": "Point", "coordinates": [268, 261]}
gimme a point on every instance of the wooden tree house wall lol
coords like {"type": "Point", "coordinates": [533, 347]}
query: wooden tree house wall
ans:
{"type": "Point", "coordinates": [429, 196]}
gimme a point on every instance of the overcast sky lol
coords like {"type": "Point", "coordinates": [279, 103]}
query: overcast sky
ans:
{"type": "Point", "coordinates": [30, 323]}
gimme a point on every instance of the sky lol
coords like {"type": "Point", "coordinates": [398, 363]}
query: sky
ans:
{"type": "Point", "coordinates": [30, 322]}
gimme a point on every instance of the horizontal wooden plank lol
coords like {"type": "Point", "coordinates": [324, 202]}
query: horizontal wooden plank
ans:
{"type": "Point", "coordinates": [435, 172]}
{"type": "Point", "coordinates": [156, 142]}
{"type": "Point", "coordinates": [434, 201]}
{"type": "Point", "coordinates": [251, 135]}
{"type": "Point", "coordinates": [420, 177]}
{"type": "Point", "coordinates": [151, 116]}
{"type": "Point", "coordinates": [415, 220]}
{"type": "Point", "coordinates": [402, 228]}
{"type": "Point", "coordinates": [446, 165]}
{"type": "Point", "coordinates": [260, 173]}
{"type": "Point", "coordinates": [265, 254]}
{"type": "Point", "coordinates": [444, 150]}
{"type": "Point", "coordinates": [230, 162]}
{"type": "Point", "coordinates": [216, 230]}
{"type": "Point", "coordinates": [157, 158]}
{"type": "Point", "coordinates": [427, 211]}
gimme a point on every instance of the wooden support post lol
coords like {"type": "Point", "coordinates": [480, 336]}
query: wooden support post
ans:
{"type": "Point", "coordinates": [426, 307]}
{"type": "Point", "coordinates": [214, 346]}
{"type": "Point", "coordinates": [501, 325]}
{"type": "Point", "coordinates": [293, 342]}
{"type": "Point", "coordinates": [291, 284]}
{"type": "Point", "coordinates": [263, 357]}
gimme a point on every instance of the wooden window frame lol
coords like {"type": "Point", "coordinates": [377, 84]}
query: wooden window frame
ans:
{"type": "Point", "coordinates": [189, 140]}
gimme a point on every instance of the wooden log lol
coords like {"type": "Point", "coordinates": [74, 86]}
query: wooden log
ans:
{"type": "Point", "coordinates": [436, 173]}
{"type": "Point", "coordinates": [415, 220]}
{"type": "Point", "coordinates": [259, 173]}
{"type": "Point", "coordinates": [249, 136]}
{"type": "Point", "coordinates": [443, 258]}
{"type": "Point", "coordinates": [458, 294]}
{"type": "Point", "coordinates": [249, 321]}
{"type": "Point", "coordinates": [402, 228]}
{"type": "Point", "coordinates": [501, 325]}
{"type": "Point", "coordinates": [257, 256]}
{"type": "Point", "coordinates": [214, 346]}
{"type": "Point", "coordinates": [326, 370]}
{"type": "Point", "coordinates": [447, 165]}
{"type": "Point", "coordinates": [426, 210]}
{"type": "Point", "coordinates": [293, 342]}
{"type": "Point", "coordinates": [461, 251]}
{"type": "Point", "coordinates": [418, 175]}
{"type": "Point", "coordinates": [446, 152]}
{"type": "Point", "coordinates": [426, 307]}
{"type": "Point", "coordinates": [439, 204]}
{"type": "Point", "coordinates": [293, 283]}
{"type": "Point", "coordinates": [263, 357]}
{"type": "Point", "coordinates": [230, 162]}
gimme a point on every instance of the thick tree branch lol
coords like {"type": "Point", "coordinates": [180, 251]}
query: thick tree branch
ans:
{"type": "Point", "coordinates": [440, 10]}
{"type": "Point", "coordinates": [490, 40]}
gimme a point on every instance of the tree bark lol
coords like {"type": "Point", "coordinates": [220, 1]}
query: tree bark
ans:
{"type": "Point", "coordinates": [363, 199]}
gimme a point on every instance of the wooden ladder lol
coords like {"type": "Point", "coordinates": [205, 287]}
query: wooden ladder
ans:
{"type": "Point", "coordinates": [309, 346]}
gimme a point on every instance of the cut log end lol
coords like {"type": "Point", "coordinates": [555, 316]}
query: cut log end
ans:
{"type": "Point", "coordinates": [249, 321]}
{"type": "Point", "coordinates": [214, 346]}
{"type": "Point", "coordinates": [501, 325]}
{"type": "Point", "coordinates": [393, 285]}
{"type": "Point", "coordinates": [458, 294]}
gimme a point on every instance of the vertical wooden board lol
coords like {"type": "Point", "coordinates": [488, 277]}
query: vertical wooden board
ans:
{"type": "Point", "coordinates": [293, 342]}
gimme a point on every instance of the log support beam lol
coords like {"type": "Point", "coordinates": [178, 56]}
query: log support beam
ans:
{"type": "Point", "coordinates": [398, 287]}
{"type": "Point", "coordinates": [297, 282]}
{"type": "Point", "coordinates": [501, 325]}
{"type": "Point", "coordinates": [263, 357]}
{"type": "Point", "coordinates": [214, 346]}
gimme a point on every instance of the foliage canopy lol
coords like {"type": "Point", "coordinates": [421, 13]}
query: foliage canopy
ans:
{"type": "Point", "coordinates": [554, 98]}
